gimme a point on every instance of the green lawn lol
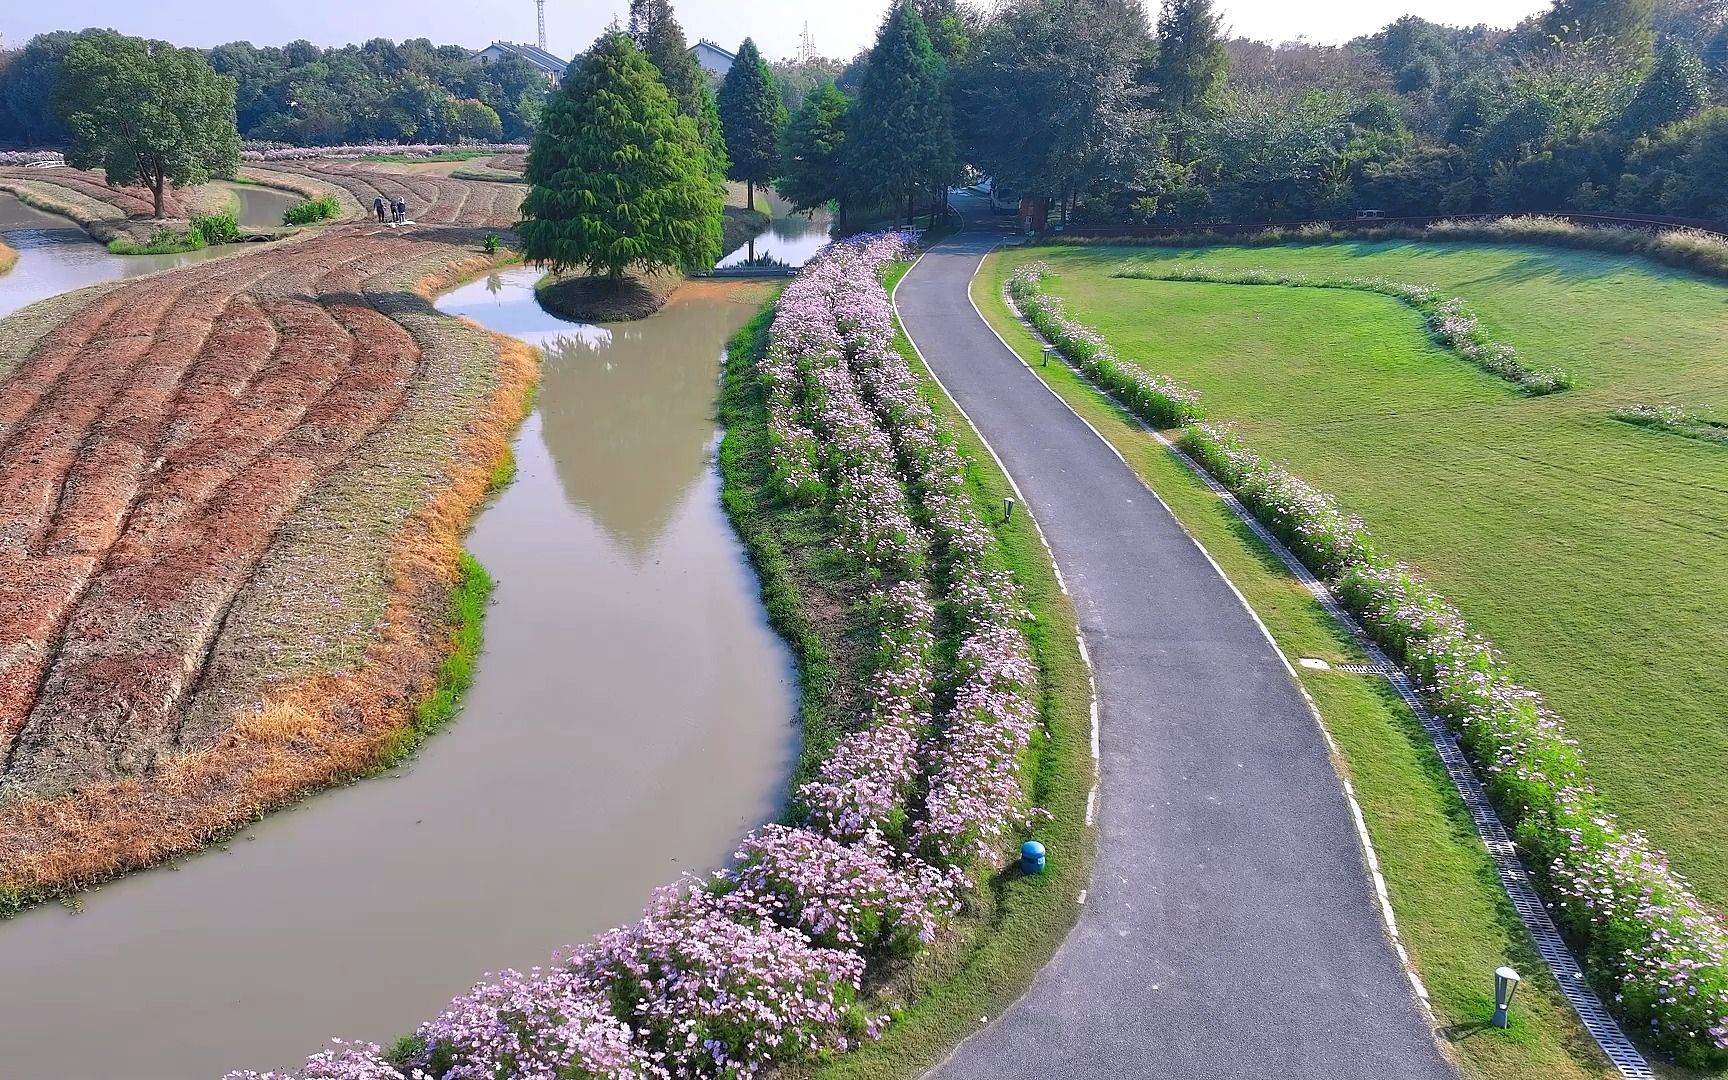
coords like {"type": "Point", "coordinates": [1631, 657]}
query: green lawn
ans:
{"type": "Point", "coordinates": [1590, 550]}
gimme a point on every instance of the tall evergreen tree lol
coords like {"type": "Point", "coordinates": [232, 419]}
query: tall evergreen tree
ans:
{"type": "Point", "coordinates": [620, 180]}
{"type": "Point", "coordinates": [1190, 66]}
{"type": "Point", "coordinates": [148, 113]}
{"type": "Point", "coordinates": [813, 170]}
{"type": "Point", "coordinates": [900, 136]}
{"type": "Point", "coordinates": [752, 115]}
{"type": "Point", "coordinates": [656, 32]}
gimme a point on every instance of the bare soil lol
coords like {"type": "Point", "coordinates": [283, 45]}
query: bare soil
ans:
{"type": "Point", "coordinates": [160, 445]}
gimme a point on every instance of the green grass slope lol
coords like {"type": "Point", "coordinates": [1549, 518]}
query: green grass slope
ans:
{"type": "Point", "coordinates": [1590, 550]}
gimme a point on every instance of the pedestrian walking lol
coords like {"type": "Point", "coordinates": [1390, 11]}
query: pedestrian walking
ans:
{"type": "Point", "coordinates": [401, 210]}
{"type": "Point", "coordinates": [378, 208]}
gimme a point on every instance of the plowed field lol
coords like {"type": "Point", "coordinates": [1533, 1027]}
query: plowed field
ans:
{"type": "Point", "coordinates": [153, 445]}
{"type": "Point", "coordinates": [129, 202]}
{"type": "Point", "coordinates": [434, 200]}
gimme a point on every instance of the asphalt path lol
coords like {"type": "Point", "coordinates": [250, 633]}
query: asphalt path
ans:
{"type": "Point", "coordinates": [1230, 929]}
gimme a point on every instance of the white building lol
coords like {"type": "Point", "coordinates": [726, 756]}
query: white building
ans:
{"type": "Point", "coordinates": [545, 61]}
{"type": "Point", "coordinates": [714, 60]}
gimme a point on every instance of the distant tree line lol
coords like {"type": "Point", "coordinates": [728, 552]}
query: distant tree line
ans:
{"type": "Point", "coordinates": [1592, 105]}
{"type": "Point", "coordinates": [305, 95]}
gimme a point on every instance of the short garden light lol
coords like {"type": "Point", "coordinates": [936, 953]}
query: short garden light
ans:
{"type": "Point", "coordinates": [1008, 508]}
{"type": "Point", "coordinates": [1505, 985]}
{"type": "Point", "coordinates": [1048, 349]}
{"type": "Point", "coordinates": [1032, 857]}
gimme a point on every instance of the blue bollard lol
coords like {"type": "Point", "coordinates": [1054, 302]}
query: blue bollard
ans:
{"type": "Point", "coordinates": [1032, 857]}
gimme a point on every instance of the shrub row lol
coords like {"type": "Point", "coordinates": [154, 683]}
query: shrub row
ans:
{"type": "Point", "coordinates": [1647, 942]}
{"type": "Point", "coordinates": [1676, 419]}
{"type": "Point", "coordinates": [761, 965]}
{"type": "Point", "coordinates": [257, 151]}
{"type": "Point", "coordinates": [1448, 320]}
{"type": "Point", "coordinates": [312, 211]}
{"type": "Point", "coordinates": [1156, 399]}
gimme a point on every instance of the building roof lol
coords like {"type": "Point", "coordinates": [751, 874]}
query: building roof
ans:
{"type": "Point", "coordinates": [540, 58]}
{"type": "Point", "coordinates": [709, 45]}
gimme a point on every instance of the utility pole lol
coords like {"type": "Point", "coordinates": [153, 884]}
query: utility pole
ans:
{"type": "Point", "coordinates": [540, 6]}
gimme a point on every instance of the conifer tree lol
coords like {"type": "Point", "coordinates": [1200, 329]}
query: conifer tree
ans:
{"type": "Point", "coordinates": [1190, 66]}
{"type": "Point", "coordinates": [752, 115]}
{"type": "Point", "coordinates": [900, 138]}
{"type": "Point", "coordinates": [619, 178]}
{"type": "Point", "coordinates": [813, 169]}
{"type": "Point", "coordinates": [656, 32]}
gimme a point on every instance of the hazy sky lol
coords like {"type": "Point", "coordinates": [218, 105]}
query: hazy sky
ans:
{"type": "Point", "coordinates": [840, 29]}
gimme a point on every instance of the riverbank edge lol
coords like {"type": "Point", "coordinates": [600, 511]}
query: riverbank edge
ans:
{"type": "Point", "coordinates": [991, 954]}
{"type": "Point", "coordinates": [1452, 914]}
{"type": "Point", "coordinates": [8, 257]}
{"type": "Point", "coordinates": [324, 730]}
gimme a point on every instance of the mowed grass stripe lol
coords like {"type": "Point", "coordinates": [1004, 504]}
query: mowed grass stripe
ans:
{"type": "Point", "coordinates": [1591, 551]}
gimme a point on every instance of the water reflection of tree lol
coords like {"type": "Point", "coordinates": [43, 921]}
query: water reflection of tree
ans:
{"type": "Point", "coordinates": [628, 413]}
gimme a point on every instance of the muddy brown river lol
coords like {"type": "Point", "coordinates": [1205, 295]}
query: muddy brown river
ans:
{"type": "Point", "coordinates": [55, 256]}
{"type": "Point", "coordinates": [631, 717]}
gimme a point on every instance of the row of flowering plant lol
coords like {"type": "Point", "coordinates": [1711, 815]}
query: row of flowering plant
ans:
{"type": "Point", "coordinates": [762, 964]}
{"type": "Point", "coordinates": [1699, 423]}
{"type": "Point", "coordinates": [1452, 324]}
{"type": "Point", "coordinates": [278, 152]}
{"type": "Point", "coordinates": [1156, 399]}
{"type": "Point", "coordinates": [974, 799]}
{"type": "Point", "coordinates": [1645, 939]}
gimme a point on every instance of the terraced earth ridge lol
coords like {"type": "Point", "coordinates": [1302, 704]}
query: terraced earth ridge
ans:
{"type": "Point", "coordinates": [157, 439]}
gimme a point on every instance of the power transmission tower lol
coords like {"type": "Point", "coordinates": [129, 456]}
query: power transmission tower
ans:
{"type": "Point", "coordinates": [806, 46]}
{"type": "Point", "coordinates": [540, 7]}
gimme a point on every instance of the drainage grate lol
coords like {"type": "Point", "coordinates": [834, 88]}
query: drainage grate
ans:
{"type": "Point", "coordinates": [1367, 669]}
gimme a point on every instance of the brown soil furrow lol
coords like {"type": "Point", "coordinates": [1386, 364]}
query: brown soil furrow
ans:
{"type": "Point", "coordinates": [112, 702]}
{"type": "Point", "coordinates": [104, 482]}
{"type": "Point", "coordinates": [38, 373]}
{"type": "Point", "coordinates": [135, 202]}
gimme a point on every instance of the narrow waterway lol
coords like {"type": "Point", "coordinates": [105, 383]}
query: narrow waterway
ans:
{"type": "Point", "coordinates": [631, 717]}
{"type": "Point", "coordinates": [260, 207]}
{"type": "Point", "coordinates": [791, 240]}
{"type": "Point", "coordinates": [55, 256]}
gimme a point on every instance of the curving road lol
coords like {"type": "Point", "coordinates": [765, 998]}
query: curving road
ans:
{"type": "Point", "coordinates": [1230, 929]}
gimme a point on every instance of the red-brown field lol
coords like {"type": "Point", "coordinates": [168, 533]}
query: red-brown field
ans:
{"type": "Point", "coordinates": [431, 199]}
{"type": "Point", "coordinates": [152, 447]}
{"type": "Point", "coordinates": [129, 202]}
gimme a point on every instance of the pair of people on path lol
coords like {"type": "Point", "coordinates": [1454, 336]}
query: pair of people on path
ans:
{"type": "Point", "coordinates": [398, 210]}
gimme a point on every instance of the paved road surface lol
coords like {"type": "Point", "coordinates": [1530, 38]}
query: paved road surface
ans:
{"type": "Point", "coordinates": [1230, 930]}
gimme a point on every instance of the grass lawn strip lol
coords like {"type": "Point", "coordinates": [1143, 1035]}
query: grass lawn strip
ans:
{"type": "Point", "coordinates": [1452, 914]}
{"type": "Point", "coordinates": [8, 257]}
{"type": "Point", "coordinates": [1612, 533]}
{"type": "Point", "coordinates": [1606, 897]}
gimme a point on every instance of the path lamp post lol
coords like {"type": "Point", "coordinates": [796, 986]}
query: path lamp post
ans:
{"type": "Point", "coordinates": [1008, 508]}
{"type": "Point", "coordinates": [1505, 985]}
{"type": "Point", "coordinates": [1048, 349]}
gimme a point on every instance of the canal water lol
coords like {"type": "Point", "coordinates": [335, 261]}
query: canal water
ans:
{"type": "Point", "coordinates": [56, 256]}
{"type": "Point", "coordinates": [260, 207]}
{"type": "Point", "coordinates": [791, 240]}
{"type": "Point", "coordinates": [632, 716]}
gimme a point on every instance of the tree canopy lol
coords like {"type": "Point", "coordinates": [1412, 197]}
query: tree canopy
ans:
{"type": "Point", "coordinates": [656, 32]}
{"type": "Point", "coordinates": [619, 177]}
{"type": "Point", "coordinates": [899, 138]}
{"type": "Point", "coordinates": [147, 113]}
{"type": "Point", "coordinates": [813, 168]}
{"type": "Point", "coordinates": [752, 115]}
{"type": "Point", "coordinates": [1190, 66]}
